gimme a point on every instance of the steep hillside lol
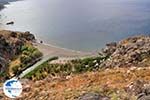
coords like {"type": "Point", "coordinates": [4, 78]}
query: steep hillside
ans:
{"type": "Point", "coordinates": [124, 75]}
{"type": "Point", "coordinates": [10, 47]}
{"type": "Point", "coordinates": [133, 51]}
{"type": "Point", "coordinates": [111, 84]}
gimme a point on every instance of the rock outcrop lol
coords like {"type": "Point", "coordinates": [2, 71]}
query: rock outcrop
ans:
{"type": "Point", "coordinates": [132, 51]}
{"type": "Point", "coordinates": [1, 6]}
{"type": "Point", "coordinates": [92, 96]}
{"type": "Point", "coordinates": [10, 23]}
{"type": "Point", "coordinates": [139, 88]}
{"type": "Point", "coordinates": [4, 2]}
{"type": "Point", "coordinates": [10, 46]}
{"type": "Point", "coordinates": [123, 83]}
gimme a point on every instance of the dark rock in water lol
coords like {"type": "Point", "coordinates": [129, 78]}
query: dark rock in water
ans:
{"type": "Point", "coordinates": [28, 36]}
{"type": "Point", "coordinates": [10, 23]}
{"type": "Point", "coordinates": [41, 41]}
{"type": "Point", "coordinates": [93, 96]}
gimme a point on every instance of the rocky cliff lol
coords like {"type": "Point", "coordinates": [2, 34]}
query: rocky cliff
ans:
{"type": "Point", "coordinates": [133, 51]}
{"type": "Point", "coordinates": [125, 76]}
{"type": "Point", "coordinates": [4, 2]}
{"type": "Point", "coordinates": [10, 46]}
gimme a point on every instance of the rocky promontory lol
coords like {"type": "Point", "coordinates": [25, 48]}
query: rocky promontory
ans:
{"type": "Point", "coordinates": [10, 46]}
{"type": "Point", "coordinates": [133, 51]}
{"type": "Point", "coordinates": [4, 2]}
{"type": "Point", "coordinates": [123, 75]}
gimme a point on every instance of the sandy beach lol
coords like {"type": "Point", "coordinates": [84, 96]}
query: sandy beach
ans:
{"type": "Point", "coordinates": [52, 50]}
{"type": "Point", "coordinates": [48, 49]}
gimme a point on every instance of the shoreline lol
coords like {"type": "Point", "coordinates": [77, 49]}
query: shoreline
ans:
{"type": "Point", "coordinates": [63, 48]}
{"type": "Point", "coordinates": [5, 2]}
{"type": "Point", "coordinates": [48, 49]}
{"type": "Point", "coordinates": [52, 50]}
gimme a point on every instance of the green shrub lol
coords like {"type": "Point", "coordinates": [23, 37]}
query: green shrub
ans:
{"type": "Point", "coordinates": [38, 72]}
{"type": "Point", "coordinates": [29, 55]}
{"type": "Point", "coordinates": [36, 54]}
{"type": "Point", "coordinates": [75, 66]}
{"type": "Point", "coordinates": [25, 52]}
{"type": "Point", "coordinates": [28, 48]}
{"type": "Point", "coordinates": [25, 59]}
{"type": "Point", "coordinates": [15, 69]}
{"type": "Point", "coordinates": [24, 48]}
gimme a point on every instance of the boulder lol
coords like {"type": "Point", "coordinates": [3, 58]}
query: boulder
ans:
{"type": "Point", "coordinates": [145, 94]}
{"type": "Point", "coordinates": [92, 96]}
{"type": "Point", "coordinates": [13, 34]}
{"type": "Point", "coordinates": [144, 98]}
{"type": "Point", "coordinates": [28, 36]}
{"type": "Point", "coordinates": [136, 87]}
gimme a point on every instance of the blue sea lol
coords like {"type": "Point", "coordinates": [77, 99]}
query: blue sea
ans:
{"type": "Point", "coordinates": [84, 25]}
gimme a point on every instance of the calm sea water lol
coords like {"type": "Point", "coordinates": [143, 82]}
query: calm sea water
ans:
{"type": "Point", "coordinates": [84, 25]}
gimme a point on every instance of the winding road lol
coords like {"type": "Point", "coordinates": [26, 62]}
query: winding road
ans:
{"type": "Point", "coordinates": [49, 52]}
{"type": "Point", "coordinates": [45, 58]}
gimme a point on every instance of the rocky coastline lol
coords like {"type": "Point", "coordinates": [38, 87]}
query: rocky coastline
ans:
{"type": "Point", "coordinates": [125, 73]}
{"type": "Point", "coordinates": [4, 2]}
{"type": "Point", "coordinates": [124, 76]}
{"type": "Point", "coordinates": [10, 46]}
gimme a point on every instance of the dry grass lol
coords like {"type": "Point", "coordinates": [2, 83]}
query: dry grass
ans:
{"type": "Point", "coordinates": [12, 65]}
{"type": "Point", "coordinates": [107, 82]}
